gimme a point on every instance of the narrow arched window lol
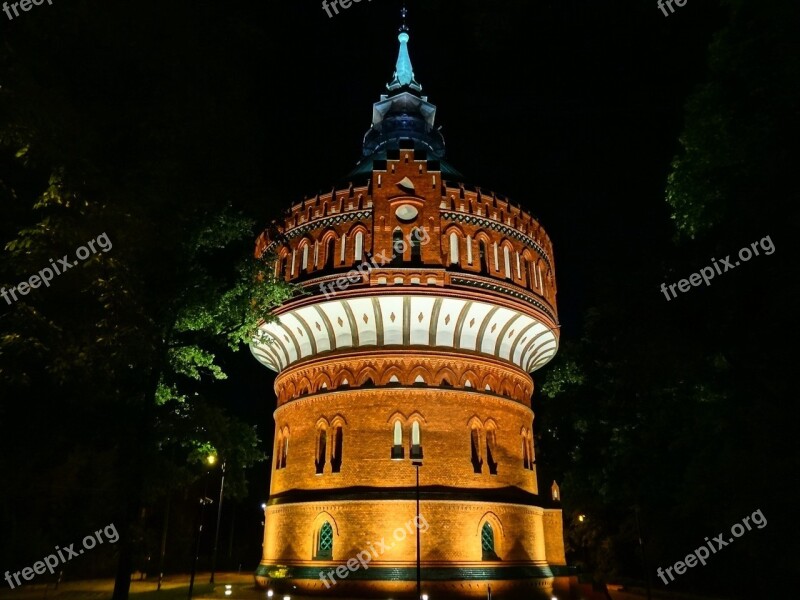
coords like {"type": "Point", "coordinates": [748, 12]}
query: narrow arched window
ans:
{"type": "Point", "coordinates": [279, 453]}
{"type": "Point", "coordinates": [487, 542]}
{"type": "Point", "coordinates": [526, 457]}
{"type": "Point", "coordinates": [336, 455]}
{"type": "Point", "coordinates": [491, 451]}
{"type": "Point", "coordinates": [416, 247]}
{"type": "Point", "coordinates": [322, 444]}
{"type": "Point", "coordinates": [330, 250]}
{"type": "Point", "coordinates": [397, 446]}
{"type": "Point", "coordinates": [305, 258]}
{"type": "Point", "coordinates": [507, 261]}
{"type": "Point", "coordinates": [284, 451]}
{"type": "Point", "coordinates": [484, 257]}
{"type": "Point", "coordinates": [342, 255]}
{"type": "Point", "coordinates": [469, 248]}
{"type": "Point", "coordinates": [531, 451]}
{"type": "Point", "coordinates": [325, 542]}
{"type": "Point", "coordinates": [398, 247]}
{"type": "Point", "coordinates": [416, 441]}
{"type": "Point", "coordinates": [453, 248]}
{"type": "Point", "coordinates": [359, 250]}
{"type": "Point", "coordinates": [475, 444]}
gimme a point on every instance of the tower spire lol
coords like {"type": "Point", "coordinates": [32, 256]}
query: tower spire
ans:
{"type": "Point", "coordinates": [403, 72]}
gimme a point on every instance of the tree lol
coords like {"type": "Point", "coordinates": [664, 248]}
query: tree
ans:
{"type": "Point", "coordinates": [107, 370]}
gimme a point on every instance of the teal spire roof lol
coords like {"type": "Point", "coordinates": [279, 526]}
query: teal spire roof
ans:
{"type": "Point", "coordinates": [403, 71]}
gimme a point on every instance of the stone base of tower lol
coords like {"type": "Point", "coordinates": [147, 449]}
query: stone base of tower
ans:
{"type": "Point", "coordinates": [529, 560]}
{"type": "Point", "coordinates": [378, 584]}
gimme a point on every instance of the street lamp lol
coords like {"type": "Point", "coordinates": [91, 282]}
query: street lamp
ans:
{"type": "Point", "coordinates": [203, 502]}
{"type": "Point", "coordinates": [417, 464]}
{"type": "Point", "coordinates": [212, 459]}
{"type": "Point", "coordinates": [416, 461]}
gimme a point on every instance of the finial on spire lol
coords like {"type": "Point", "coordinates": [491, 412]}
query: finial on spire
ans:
{"type": "Point", "coordinates": [404, 73]}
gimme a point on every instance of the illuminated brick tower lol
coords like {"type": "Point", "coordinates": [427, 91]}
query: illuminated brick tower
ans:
{"type": "Point", "coordinates": [429, 303]}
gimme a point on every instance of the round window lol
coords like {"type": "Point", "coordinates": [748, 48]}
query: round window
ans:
{"type": "Point", "coordinates": [406, 212]}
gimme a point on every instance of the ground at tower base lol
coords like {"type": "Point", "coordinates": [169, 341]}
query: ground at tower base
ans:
{"type": "Point", "coordinates": [240, 586]}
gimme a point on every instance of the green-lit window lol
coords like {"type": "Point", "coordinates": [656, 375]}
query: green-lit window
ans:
{"type": "Point", "coordinates": [325, 541]}
{"type": "Point", "coordinates": [487, 542]}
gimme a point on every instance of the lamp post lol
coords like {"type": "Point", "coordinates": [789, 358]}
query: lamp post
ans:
{"type": "Point", "coordinates": [219, 517]}
{"type": "Point", "coordinates": [417, 464]}
{"type": "Point", "coordinates": [642, 550]}
{"type": "Point", "coordinates": [203, 502]}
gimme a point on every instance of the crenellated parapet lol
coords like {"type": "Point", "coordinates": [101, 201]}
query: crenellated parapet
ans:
{"type": "Point", "coordinates": [405, 219]}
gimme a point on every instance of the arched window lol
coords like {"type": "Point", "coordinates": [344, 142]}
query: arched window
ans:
{"type": "Point", "coordinates": [507, 261]}
{"type": "Point", "coordinates": [336, 454]}
{"type": "Point", "coordinates": [416, 247]}
{"type": "Point", "coordinates": [491, 450]}
{"type": "Point", "coordinates": [282, 450]}
{"type": "Point", "coordinates": [330, 250]}
{"type": "Point", "coordinates": [527, 450]}
{"type": "Point", "coordinates": [526, 458]}
{"type": "Point", "coordinates": [325, 542]}
{"type": "Point", "coordinates": [416, 441]}
{"type": "Point", "coordinates": [398, 247]}
{"type": "Point", "coordinates": [397, 446]}
{"type": "Point", "coordinates": [487, 542]}
{"type": "Point", "coordinates": [279, 453]}
{"type": "Point", "coordinates": [359, 250]}
{"type": "Point", "coordinates": [530, 451]}
{"type": "Point", "coordinates": [484, 257]}
{"type": "Point", "coordinates": [322, 444]}
{"type": "Point", "coordinates": [305, 258]}
{"type": "Point", "coordinates": [342, 256]}
{"type": "Point", "coordinates": [555, 492]}
{"type": "Point", "coordinates": [475, 444]}
{"type": "Point", "coordinates": [469, 248]}
{"type": "Point", "coordinates": [454, 248]}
